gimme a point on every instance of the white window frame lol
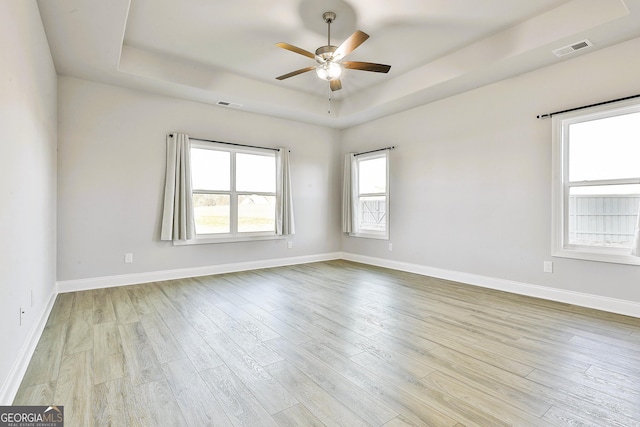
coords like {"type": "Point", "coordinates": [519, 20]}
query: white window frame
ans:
{"type": "Point", "coordinates": [561, 186]}
{"type": "Point", "coordinates": [358, 232]}
{"type": "Point", "coordinates": [234, 235]}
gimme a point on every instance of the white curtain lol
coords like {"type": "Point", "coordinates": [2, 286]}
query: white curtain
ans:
{"type": "Point", "coordinates": [177, 215]}
{"type": "Point", "coordinates": [635, 249]}
{"type": "Point", "coordinates": [347, 194]}
{"type": "Point", "coordinates": [284, 200]}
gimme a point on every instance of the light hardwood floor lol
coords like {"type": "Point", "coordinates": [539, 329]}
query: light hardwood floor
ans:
{"type": "Point", "coordinates": [333, 343]}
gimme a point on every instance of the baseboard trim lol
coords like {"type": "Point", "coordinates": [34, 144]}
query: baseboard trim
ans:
{"type": "Point", "coordinates": [612, 305]}
{"type": "Point", "coordinates": [158, 276]}
{"type": "Point", "coordinates": [12, 382]}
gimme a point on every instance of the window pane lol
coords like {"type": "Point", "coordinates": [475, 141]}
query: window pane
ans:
{"type": "Point", "coordinates": [256, 213]}
{"type": "Point", "coordinates": [372, 176]}
{"type": "Point", "coordinates": [212, 212]}
{"type": "Point", "coordinates": [210, 169]}
{"type": "Point", "coordinates": [255, 173]}
{"type": "Point", "coordinates": [603, 216]}
{"type": "Point", "coordinates": [606, 148]}
{"type": "Point", "coordinates": [372, 213]}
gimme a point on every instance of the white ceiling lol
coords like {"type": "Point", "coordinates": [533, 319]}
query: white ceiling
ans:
{"type": "Point", "coordinates": [212, 50]}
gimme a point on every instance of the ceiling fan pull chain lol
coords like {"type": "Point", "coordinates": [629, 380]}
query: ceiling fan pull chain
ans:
{"type": "Point", "coordinates": [329, 107]}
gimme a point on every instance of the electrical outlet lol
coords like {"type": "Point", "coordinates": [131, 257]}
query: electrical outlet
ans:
{"type": "Point", "coordinates": [128, 258]}
{"type": "Point", "coordinates": [390, 247]}
{"type": "Point", "coordinates": [547, 267]}
{"type": "Point", "coordinates": [289, 244]}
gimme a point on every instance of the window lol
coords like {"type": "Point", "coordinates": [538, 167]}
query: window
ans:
{"type": "Point", "coordinates": [371, 194]}
{"type": "Point", "coordinates": [596, 193]}
{"type": "Point", "coordinates": [234, 191]}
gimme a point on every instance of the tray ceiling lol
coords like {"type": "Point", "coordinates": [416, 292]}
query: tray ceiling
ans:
{"type": "Point", "coordinates": [223, 50]}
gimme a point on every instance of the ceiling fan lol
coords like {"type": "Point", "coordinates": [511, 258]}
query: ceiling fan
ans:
{"type": "Point", "coordinates": [329, 58]}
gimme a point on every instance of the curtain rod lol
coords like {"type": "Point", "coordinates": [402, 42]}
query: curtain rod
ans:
{"type": "Point", "coordinates": [231, 143]}
{"type": "Point", "coordinates": [375, 151]}
{"type": "Point", "coordinates": [542, 116]}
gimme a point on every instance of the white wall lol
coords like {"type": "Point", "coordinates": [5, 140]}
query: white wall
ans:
{"type": "Point", "coordinates": [27, 185]}
{"type": "Point", "coordinates": [111, 180]}
{"type": "Point", "coordinates": [471, 177]}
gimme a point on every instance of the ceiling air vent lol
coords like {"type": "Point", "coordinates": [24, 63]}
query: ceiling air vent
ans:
{"type": "Point", "coordinates": [228, 104]}
{"type": "Point", "coordinates": [572, 48]}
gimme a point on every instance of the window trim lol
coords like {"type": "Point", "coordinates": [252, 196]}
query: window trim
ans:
{"type": "Point", "coordinates": [356, 195]}
{"type": "Point", "coordinates": [233, 193]}
{"type": "Point", "coordinates": [561, 186]}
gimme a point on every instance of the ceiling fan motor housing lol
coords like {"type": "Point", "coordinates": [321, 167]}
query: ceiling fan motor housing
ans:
{"type": "Point", "coordinates": [325, 52]}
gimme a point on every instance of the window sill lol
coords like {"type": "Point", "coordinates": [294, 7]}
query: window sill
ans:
{"type": "Point", "coordinates": [214, 240]}
{"type": "Point", "coordinates": [599, 255]}
{"type": "Point", "coordinates": [370, 236]}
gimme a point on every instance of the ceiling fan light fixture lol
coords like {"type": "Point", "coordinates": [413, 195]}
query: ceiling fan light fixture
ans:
{"type": "Point", "coordinates": [330, 59]}
{"type": "Point", "coordinates": [329, 71]}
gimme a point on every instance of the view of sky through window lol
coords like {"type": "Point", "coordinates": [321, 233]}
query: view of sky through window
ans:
{"type": "Point", "coordinates": [607, 148]}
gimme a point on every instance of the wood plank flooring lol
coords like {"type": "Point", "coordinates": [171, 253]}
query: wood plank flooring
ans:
{"type": "Point", "coordinates": [332, 344]}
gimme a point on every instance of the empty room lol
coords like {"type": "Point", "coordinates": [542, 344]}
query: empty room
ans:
{"type": "Point", "coordinates": [303, 212]}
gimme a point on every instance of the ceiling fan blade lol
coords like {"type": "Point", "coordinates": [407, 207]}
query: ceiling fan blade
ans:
{"type": "Point", "coordinates": [366, 66]}
{"type": "Point", "coordinates": [349, 45]}
{"type": "Point", "coordinates": [335, 84]}
{"type": "Point", "coordinates": [296, 49]}
{"type": "Point", "coordinates": [295, 73]}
